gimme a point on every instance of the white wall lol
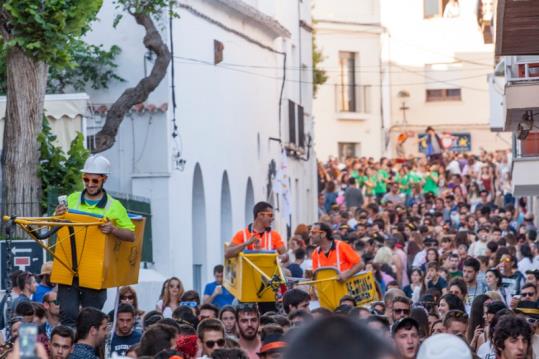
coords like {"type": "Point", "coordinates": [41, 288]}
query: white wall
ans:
{"type": "Point", "coordinates": [414, 42]}
{"type": "Point", "coordinates": [351, 27]}
{"type": "Point", "coordinates": [223, 111]}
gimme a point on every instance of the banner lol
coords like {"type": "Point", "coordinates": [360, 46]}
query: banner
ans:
{"type": "Point", "coordinates": [455, 141]}
{"type": "Point", "coordinates": [281, 187]}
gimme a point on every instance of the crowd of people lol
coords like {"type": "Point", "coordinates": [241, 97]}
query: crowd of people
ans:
{"type": "Point", "coordinates": [453, 253]}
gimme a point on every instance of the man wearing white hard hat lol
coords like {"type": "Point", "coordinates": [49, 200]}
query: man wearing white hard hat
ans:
{"type": "Point", "coordinates": [95, 200]}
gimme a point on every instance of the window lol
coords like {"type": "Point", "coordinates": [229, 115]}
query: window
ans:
{"type": "Point", "coordinates": [349, 149]}
{"type": "Point", "coordinates": [441, 8]}
{"type": "Point", "coordinates": [296, 124]}
{"type": "Point", "coordinates": [291, 122]}
{"type": "Point", "coordinates": [346, 89]}
{"type": "Point", "coordinates": [443, 95]}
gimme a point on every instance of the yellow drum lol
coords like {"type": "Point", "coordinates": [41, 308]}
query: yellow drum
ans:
{"type": "Point", "coordinates": [253, 276]}
{"type": "Point", "coordinates": [329, 290]}
{"type": "Point", "coordinates": [99, 260]}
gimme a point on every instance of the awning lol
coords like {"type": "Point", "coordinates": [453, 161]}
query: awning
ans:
{"type": "Point", "coordinates": [65, 113]}
{"type": "Point", "coordinates": [58, 106]}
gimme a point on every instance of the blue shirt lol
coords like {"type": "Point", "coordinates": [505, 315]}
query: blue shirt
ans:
{"type": "Point", "coordinates": [41, 290]}
{"type": "Point", "coordinates": [222, 299]}
{"type": "Point", "coordinates": [83, 351]}
{"type": "Point", "coordinates": [121, 345]}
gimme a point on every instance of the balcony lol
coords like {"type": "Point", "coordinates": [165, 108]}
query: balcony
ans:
{"type": "Point", "coordinates": [525, 177]}
{"type": "Point", "coordinates": [352, 102]}
{"type": "Point", "coordinates": [521, 90]}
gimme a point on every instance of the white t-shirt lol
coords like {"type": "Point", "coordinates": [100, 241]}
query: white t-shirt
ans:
{"type": "Point", "coordinates": [486, 351]}
{"type": "Point", "coordinates": [525, 264]}
{"type": "Point", "coordinates": [167, 312]}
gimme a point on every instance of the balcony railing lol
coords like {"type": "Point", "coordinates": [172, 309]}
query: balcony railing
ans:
{"type": "Point", "coordinates": [522, 68]}
{"type": "Point", "coordinates": [353, 98]}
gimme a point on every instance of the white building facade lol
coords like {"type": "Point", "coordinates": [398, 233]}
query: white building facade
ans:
{"type": "Point", "coordinates": [242, 86]}
{"type": "Point", "coordinates": [426, 62]}
{"type": "Point", "coordinates": [348, 107]}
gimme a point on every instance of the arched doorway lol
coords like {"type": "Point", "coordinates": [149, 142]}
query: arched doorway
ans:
{"type": "Point", "coordinates": [249, 201]}
{"type": "Point", "coordinates": [226, 211]}
{"type": "Point", "coordinates": [198, 225]}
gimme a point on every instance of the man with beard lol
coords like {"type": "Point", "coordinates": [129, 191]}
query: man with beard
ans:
{"type": "Point", "coordinates": [258, 235]}
{"type": "Point", "coordinates": [125, 335]}
{"type": "Point", "coordinates": [248, 323]}
{"type": "Point", "coordinates": [333, 253]}
{"type": "Point", "coordinates": [94, 200]}
{"type": "Point", "coordinates": [91, 333]}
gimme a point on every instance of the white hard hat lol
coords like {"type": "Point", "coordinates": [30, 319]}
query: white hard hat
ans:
{"type": "Point", "coordinates": [98, 165]}
{"type": "Point", "coordinates": [444, 346]}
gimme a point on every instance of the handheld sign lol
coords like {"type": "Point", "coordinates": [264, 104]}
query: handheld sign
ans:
{"type": "Point", "coordinates": [330, 291]}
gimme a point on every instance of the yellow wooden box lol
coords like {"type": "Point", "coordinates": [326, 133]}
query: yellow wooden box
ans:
{"type": "Point", "coordinates": [361, 286]}
{"type": "Point", "coordinates": [103, 261]}
{"type": "Point", "coordinates": [245, 282]}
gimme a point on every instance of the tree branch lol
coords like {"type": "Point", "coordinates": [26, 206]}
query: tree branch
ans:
{"type": "Point", "coordinates": [4, 21]}
{"type": "Point", "coordinates": [104, 139]}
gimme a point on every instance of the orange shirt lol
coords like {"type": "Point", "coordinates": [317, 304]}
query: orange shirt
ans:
{"type": "Point", "coordinates": [268, 240]}
{"type": "Point", "coordinates": [341, 256]}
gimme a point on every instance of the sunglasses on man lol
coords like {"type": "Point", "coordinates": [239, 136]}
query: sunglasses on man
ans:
{"type": "Point", "coordinates": [92, 180]}
{"type": "Point", "coordinates": [211, 343]}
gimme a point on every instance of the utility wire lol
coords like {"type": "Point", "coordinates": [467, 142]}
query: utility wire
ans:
{"type": "Point", "coordinates": [191, 61]}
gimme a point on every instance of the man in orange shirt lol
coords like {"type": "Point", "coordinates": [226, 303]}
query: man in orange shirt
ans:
{"type": "Point", "coordinates": [258, 235]}
{"type": "Point", "coordinates": [333, 253]}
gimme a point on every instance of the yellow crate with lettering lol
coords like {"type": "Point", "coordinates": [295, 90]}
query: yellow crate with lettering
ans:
{"type": "Point", "coordinates": [250, 275]}
{"type": "Point", "coordinates": [362, 287]}
{"type": "Point", "coordinates": [101, 261]}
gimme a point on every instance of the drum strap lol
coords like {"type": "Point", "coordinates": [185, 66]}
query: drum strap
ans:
{"type": "Point", "coordinates": [267, 239]}
{"type": "Point", "coordinates": [337, 245]}
{"type": "Point", "coordinates": [337, 253]}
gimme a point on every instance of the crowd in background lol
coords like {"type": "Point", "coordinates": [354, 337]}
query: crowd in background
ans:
{"type": "Point", "coordinates": [454, 255]}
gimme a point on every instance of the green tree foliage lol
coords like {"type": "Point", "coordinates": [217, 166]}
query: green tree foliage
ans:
{"type": "Point", "coordinates": [319, 76]}
{"type": "Point", "coordinates": [95, 67]}
{"type": "Point", "coordinates": [45, 29]}
{"type": "Point", "coordinates": [59, 172]}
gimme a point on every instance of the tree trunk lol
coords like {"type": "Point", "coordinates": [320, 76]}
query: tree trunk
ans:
{"type": "Point", "coordinates": [26, 86]}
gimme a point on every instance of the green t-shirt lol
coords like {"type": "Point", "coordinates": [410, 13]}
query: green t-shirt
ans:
{"type": "Point", "coordinates": [381, 186]}
{"type": "Point", "coordinates": [361, 181]}
{"type": "Point", "coordinates": [372, 179]}
{"type": "Point", "coordinates": [116, 212]}
{"type": "Point", "coordinates": [404, 182]}
{"type": "Point", "coordinates": [431, 184]}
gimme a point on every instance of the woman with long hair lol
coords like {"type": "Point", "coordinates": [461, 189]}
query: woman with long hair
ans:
{"type": "Point", "coordinates": [228, 316]}
{"type": "Point", "coordinates": [416, 288]}
{"type": "Point", "coordinates": [493, 277]}
{"type": "Point", "coordinates": [450, 302]}
{"type": "Point", "coordinates": [171, 297]}
{"type": "Point", "coordinates": [432, 255]}
{"type": "Point", "coordinates": [526, 258]}
{"type": "Point", "coordinates": [476, 323]}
